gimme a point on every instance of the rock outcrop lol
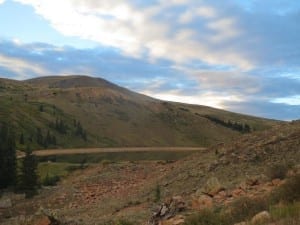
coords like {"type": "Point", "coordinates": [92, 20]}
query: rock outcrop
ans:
{"type": "Point", "coordinates": [168, 210]}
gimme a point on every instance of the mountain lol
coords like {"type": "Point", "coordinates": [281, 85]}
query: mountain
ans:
{"type": "Point", "coordinates": [81, 111]}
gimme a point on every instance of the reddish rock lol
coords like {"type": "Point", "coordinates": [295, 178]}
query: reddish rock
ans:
{"type": "Point", "coordinates": [220, 197]}
{"type": "Point", "coordinates": [276, 182]}
{"type": "Point", "coordinates": [212, 187]}
{"type": "Point", "coordinates": [202, 202]}
{"type": "Point", "coordinates": [252, 181]}
{"type": "Point", "coordinates": [43, 221]}
{"type": "Point", "coordinates": [238, 192]}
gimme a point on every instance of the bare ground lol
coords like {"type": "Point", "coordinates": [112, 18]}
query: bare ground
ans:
{"type": "Point", "coordinates": [49, 152]}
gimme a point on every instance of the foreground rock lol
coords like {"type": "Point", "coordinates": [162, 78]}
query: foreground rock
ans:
{"type": "Point", "coordinates": [169, 210]}
{"type": "Point", "coordinates": [5, 203]}
{"type": "Point", "coordinates": [261, 218]}
{"type": "Point", "coordinates": [201, 202]}
{"type": "Point", "coordinates": [212, 187]}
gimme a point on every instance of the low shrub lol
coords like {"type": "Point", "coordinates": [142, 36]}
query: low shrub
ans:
{"type": "Point", "coordinates": [207, 217]}
{"type": "Point", "coordinates": [277, 171]}
{"type": "Point", "coordinates": [245, 208]}
{"type": "Point", "coordinates": [72, 168]}
{"type": "Point", "coordinates": [288, 192]}
{"type": "Point", "coordinates": [291, 210]}
{"type": "Point", "coordinates": [157, 194]}
{"type": "Point", "coordinates": [50, 180]}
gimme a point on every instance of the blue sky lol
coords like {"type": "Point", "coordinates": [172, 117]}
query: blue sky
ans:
{"type": "Point", "coordinates": [242, 56]}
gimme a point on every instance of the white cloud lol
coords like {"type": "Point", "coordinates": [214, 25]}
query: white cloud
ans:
{"type": "Point", "coordinates": [2, 1]}
{"type": "Point", "coordinates": [291, 100]}
{"type": "Point", "coordinates": [233, 81]}
{"type": "Point", "coordinates": [137, 31]}
{"type": "Point", "coordinates": [224, 28]}
{"type": "Point", "coordinates": [203, 11]}
{"type": "Point", "coordinates": [21, 67]}
{"type": "Point", "coordinates": [212, 99]}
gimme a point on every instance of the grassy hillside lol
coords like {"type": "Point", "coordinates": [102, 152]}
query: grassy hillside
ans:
{"type": "Point", "coordinates": [79, 111]}
{"type": "Point", "coordinates": [251, 155]}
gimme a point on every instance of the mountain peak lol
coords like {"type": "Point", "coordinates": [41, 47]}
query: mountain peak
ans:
{"type": "Point", "coordinates": [70, 81]}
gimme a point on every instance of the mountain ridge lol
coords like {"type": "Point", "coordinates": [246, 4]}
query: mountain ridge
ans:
{"type": "Point", "coordinates": [111, 116]}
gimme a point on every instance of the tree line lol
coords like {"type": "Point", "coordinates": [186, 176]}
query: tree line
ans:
{"type": "Point", "coordinates": [63, 128]}
{"type": "Point", "coordinates": [27, 179]}
{"type": "Point", "coordinates": [46, 138]}
{"type": "Point", "coordinates": [243, 128]}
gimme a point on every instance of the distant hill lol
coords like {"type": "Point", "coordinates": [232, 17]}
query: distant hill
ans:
{"type": "Point", "coordinates": [81, 111]}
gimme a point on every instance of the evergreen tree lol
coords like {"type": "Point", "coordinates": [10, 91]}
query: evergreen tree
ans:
{"type": "Point", "coordinates": [79, 129]}
{"type": "Point", "coordinates": [60, 126]}
{"type": "Point", "coordinates": [247, 128]}
{"type": "Point", "coordinates": [21, 141]}
{"type": "Point", "coordinates": [8, 161]}
{"type": "Point", "coordinates": [29, 177]}
{"type": "Point", "coordinates": [41, 108]}
{"type": "Point", "coordinates": [53, 140]}
{"type": "Point", "coordinates": [39, 137]}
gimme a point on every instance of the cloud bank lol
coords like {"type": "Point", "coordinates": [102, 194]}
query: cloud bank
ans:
{"type": "Point", "coordinates": [241, 55]}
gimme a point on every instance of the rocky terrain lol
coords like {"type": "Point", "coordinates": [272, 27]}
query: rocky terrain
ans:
{"type": "Point", "coordinates": [221, 178]}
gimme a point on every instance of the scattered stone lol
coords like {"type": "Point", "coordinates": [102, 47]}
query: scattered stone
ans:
{"type": "Point", "coordinates": [261, 217]}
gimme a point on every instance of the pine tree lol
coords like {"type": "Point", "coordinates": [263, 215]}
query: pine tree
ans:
{"type": "Point", "coordinates": [39, 137]}
{"type": "Point", "coordinates": [247, 128]}
{"type": "Point", "coordinates": [41, 108]}
{"type": "Point", "coordinates": [29, 177]}
{"type": "Point", "coordinates": [21, 141]}
{"type": "Point", "coordinates": [8, 161]}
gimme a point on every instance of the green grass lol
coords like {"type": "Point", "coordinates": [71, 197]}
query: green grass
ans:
{"type": "Point", "coordinates": [116, 156]}
{"type": "Point", "coordinates": [285, 211]}
{"type": "Point", "coordinates": [55, 169]}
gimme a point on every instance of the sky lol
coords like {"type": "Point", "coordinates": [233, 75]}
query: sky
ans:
{"type": "Point", "coordinates": [237, 55]}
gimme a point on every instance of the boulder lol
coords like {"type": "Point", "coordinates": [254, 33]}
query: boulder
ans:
{"type": "Point", "coordinates": [276, 182]}
{"type": "Point", "coordinates": [237, 192]}
{"type": "Point", "coordinates": [202, 202]}
{"type": "Point", "coordinates": [43, 221]}
{"type": "Point", "coordinates": [261, 217]}
{"type": "Point", "coordinates": [212, 187]}
{"type": "Point", "coordinates": [168, 210]}
{"type": "Point", "coordinates": [5, 203]}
